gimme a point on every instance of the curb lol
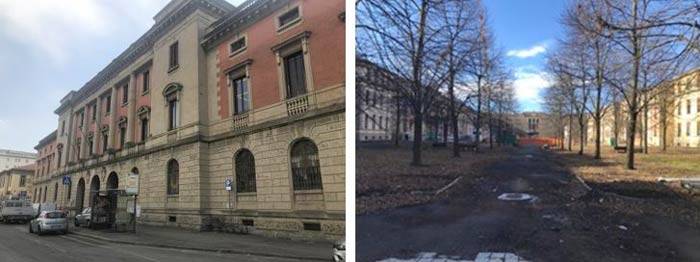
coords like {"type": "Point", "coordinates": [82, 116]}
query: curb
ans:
{"type": "Point", "coordinates": [224, 251]}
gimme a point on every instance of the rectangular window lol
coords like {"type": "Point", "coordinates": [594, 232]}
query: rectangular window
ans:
{"type": "Point", "coordinates": [241, 95]}
{"type": "Point", "coordinates": [678, 131]}
{"type": "Point", "coordinates": [288, 18]}
{"type": "Point", "coordinates": [237, 46]}
{"type": "Point", "coordinates": [366, 120]}
{"type": "Point", "coordinates": [144, 129]}
{"type": "Point", "coordinates": [295, 74]}
{"type": "Point", "coordinates": [63, 127]}
{"type": "Point", "coordinates": [174, 56]}
{"type": "Point", "coordinates": [687, 106]}
{"type": "Point", "coordinates": [108, 104]}
{"type": "Point", "coordinates": [687, 129]}
{"type": "Point", "coordinates": [22, 181]}
{"type": "Point", "coordinates": [122, 137]}
{"type": "Point", "coordinates": [60, 154]}
{"type": "Point", "coordinates": [697, 105]}
{"type": "Point", "coordinates": [125, 94]}
{"type": "Point", "coordinates": [90, 146]}
{"type": "Point", "coordinates": [82, 118]}
{"type": "Point", "coordinates": [172, 114]}
{"type": "Point", "coordinates": [697, 128]}
{"type": "Point", "coordinates": [105, 141]}
{"type": "Point", "coordinates": [146, 81]}
{"type": "Point", "coordinates": [93, 112]}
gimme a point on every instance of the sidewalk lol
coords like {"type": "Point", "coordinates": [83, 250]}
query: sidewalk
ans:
{"type": "Point", "coordinates": [214, 242]}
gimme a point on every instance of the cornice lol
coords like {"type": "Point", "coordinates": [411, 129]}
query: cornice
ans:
{"type": "Point", "coordinates": [247, 14]}
{"type": "Point", "coordinates": [144, 44]}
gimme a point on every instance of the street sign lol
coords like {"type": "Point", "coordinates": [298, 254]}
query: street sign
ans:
{"type": "Point", "coordinates": [132, 184]}
{"type": "Point", "coordinates": [228, 184]}
{"type": "Point", "coordinates": [66, 180]}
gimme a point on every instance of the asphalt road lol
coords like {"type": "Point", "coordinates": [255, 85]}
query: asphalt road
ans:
{"type": "Point", "coordinates": [17, 245]}
{"type": "Point", "coordinates": [564, 224]}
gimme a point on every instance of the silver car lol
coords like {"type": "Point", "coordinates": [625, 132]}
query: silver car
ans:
{"type": "Point", "coordinates": [83, 218]}
{"type": "Point", "coordinates": [49, 221]}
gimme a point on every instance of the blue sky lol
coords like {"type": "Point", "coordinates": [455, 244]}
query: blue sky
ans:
{"type": "Point", "coordinates": [526, 31]}
{"type": "Point", "coordinates": [49, 47]}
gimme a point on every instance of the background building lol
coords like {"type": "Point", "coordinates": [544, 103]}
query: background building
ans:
{"type": "Point", "coordinates": [15, 182]}
{"type": "Point", "coordinates": [12, 158]}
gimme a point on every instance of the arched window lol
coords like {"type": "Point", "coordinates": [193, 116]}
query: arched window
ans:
{"type": "Point", "coordinates": [245, 171]}
{"type": "Point", "coordinates": [306, 172]}
{"type": "Point", "coordinates": [173, 177]}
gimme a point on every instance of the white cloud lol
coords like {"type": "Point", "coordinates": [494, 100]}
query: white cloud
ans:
{"type": "Point", "coordinates": [529, 82]}
{"type": "Point", "coordinates": [530, 52]}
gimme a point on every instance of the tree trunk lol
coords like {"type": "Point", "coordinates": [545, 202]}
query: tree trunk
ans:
{"type": "Point", "coordinates": [417, 138]}
{"type": "Point", "coordinates": [477, 125]}
{"type": "Point", "coordinates": [454, 116]}
{"type": "Point", "coordinates": [397, 127]}
{"type": "Point", "coordinates": [597, 138]}
{"type": "Point", "coordinates": [571, 130]}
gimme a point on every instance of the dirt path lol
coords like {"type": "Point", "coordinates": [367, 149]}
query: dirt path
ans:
{"type": "Point", "coordinates": [566, 223]}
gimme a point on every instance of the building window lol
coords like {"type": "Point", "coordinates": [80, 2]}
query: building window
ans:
{"type": "Point", "coordinates": [22, 181]}
{"type": "Point", "coordinates": [60, 155]}
{"type": "Point", "coordinates": [687, 129]}
{"type": "Point", "coordinates": [173, 56]}
{"type": "Point", "coordinates": [295, 74]}
{"type": "Point", "coordinates": [366, 121]}
{"type": "Point", "coordinates": [678, 133]}
{"type": "Point", "coordinates": [82, 118]}
{"type": "Point", "coordinates": [687, 106]}
{"type": "Point", "coordinates": [105, 141]}
{"type": "Point", "coordinates": [122, 136]}
{"type": "Point", "coordinates": [245, 171]}
{"type": "Point", "coordinates": [288, 18]}
{"type": "Point", "coordinates": [108, 104]}
{"type": "Point", "coordinates": [144, 129]}
{"type": "Point", "coordinates": [237, 46]}
{"type": "Point", "coordinates": [381, 119]}
{"type": "Point", "coordinates": [172, 114]}
{"type": "Point", "coordinates": [93, 112]}
{"type": "Point", "coordinates": [77, 149]}
{"type": "Point", "coordinates": [90, 145]}
{"type": "Point", "coordinates": [55, 192]}
{"type": "Point", "coordinates": [173, 177]}
{"type": "Point", "coordinates": [241, 95]}
{"type": "Point", "coordinates": [63, 127]}
{"type": "Point", "coordinates": [306, 172]}
{"type": "Point", "coordinates": [125, 94]}
{"type": "Point", "coordinates": [146, 81]}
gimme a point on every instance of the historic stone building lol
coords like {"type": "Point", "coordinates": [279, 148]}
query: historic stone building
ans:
{"type": "Point", "coordinates": [12, 158]}
{"type": "Point", "coordinates": [15, 182]}
{"type": "Point", "coordinates": [252, 94]}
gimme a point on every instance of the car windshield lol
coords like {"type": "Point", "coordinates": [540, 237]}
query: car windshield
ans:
{"type": "Point", "coordinates": [86, 211]}
{"type": "Point", "coordinates": [55, 215]}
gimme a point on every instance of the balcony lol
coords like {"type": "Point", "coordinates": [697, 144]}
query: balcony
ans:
{"type": "Point", "coordinates": [298, 105]}
{"type": "Point", "coordinates": [240, 121]}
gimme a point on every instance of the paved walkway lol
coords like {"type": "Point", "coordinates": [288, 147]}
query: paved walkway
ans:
{"type": "Point", "coordinates": [215, 242]}
{"type": "Point", "coordinates": [560, 225]}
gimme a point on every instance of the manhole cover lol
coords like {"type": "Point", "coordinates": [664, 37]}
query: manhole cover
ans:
{"type": "Point", "coordinates": [515, 197]}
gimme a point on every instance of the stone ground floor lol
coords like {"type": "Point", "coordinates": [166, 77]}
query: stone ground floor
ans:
{"type": "Point", "coordinates": [183, 184]}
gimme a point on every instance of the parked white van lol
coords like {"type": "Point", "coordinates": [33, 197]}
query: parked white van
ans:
{"type": "Point", "coordinates": [16, 211]}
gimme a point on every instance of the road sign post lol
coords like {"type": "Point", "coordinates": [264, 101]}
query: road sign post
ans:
{"type": "Point", "coordinates": [228, 186]}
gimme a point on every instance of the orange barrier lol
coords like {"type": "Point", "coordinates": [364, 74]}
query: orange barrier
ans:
{"type": "Point", "coordinates": [538, 141]}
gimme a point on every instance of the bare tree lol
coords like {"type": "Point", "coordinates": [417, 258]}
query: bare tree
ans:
{"type": "Point", "coordinates": [644, 36]}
